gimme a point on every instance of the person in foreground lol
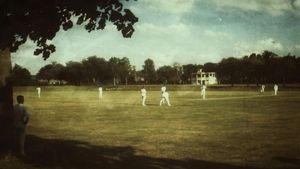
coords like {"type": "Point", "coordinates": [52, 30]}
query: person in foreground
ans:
{"type": "Point", "coordinates": [21, 120]}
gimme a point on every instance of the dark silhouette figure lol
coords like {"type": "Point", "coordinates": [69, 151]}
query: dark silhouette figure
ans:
{"type": "Point", "coordinates": [21, 120]}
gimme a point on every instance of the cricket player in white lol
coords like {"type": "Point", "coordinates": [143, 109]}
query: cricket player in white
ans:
{"type": "Point", "coordinates": [144, 96]}
{"type": "Point", "coordinates": [163, 90]}
{"type": "Point", "coordinates": [165, 97]}
{"type": "Point", "coordinates": [100, 92]}
{"type": "Point", "coordinates": [275, 89]}
{"type": "Point", "coordinates": [262, 88]}
{"type": "Point", "coordinates": [203, 92]}
{"type": "Point", "coordinates": [39, 92]}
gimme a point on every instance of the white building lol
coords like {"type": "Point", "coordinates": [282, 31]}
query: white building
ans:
{"type": "Point", "coordinates": [52, 82]}
{"type": "Point", "coordinates": [57, 82]}
{"type": "Point", "coordinates": [201, 78]}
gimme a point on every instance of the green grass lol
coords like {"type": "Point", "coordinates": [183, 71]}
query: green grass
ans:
{"type": "Point", "coordinates": [71, 128]}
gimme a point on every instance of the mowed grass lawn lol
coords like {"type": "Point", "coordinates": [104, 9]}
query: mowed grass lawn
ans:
{"type": "Point", "coordinates": [71, 128]}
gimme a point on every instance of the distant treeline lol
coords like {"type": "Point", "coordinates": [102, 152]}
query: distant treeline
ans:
{"type": "Point", "coordinates": [263, 68]}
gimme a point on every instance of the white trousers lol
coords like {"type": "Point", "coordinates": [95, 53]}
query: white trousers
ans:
{"type": "Point", "coordinates": [163, 99]}
{"type": "Point", "coordinates": [144, 100]}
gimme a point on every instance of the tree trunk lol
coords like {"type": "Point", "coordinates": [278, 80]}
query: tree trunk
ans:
{"type": "Point", "coordinates": [6, 103]}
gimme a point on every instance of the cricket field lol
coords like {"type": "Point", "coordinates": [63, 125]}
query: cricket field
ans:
{"type": "Point", "coordinates": [71, 128]}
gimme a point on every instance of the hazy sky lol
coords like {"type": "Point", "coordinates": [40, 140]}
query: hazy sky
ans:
{"type": "Point", "coordinates": [184, 31]}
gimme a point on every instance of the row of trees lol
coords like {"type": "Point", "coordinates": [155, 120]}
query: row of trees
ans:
{"type": "Point", "coordinates": [95, 70]}
{"type": "Point", "coordinates": [267, 67]}
{"type": "Point", "coordinates": [90, 71]}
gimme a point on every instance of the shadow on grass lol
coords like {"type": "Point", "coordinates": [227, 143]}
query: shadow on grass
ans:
{"type": "Point", "coordinates": [69, 154]}
{"type": "Point", "coordinates": [293, 161]}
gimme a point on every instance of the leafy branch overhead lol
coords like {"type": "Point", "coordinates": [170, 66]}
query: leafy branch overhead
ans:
{"type": "Point", "coordinates": [41, 20]}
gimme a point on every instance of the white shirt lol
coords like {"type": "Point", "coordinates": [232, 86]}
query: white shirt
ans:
{"type": "Point", "coordinates": [143, 91]}
{"type": "Point", "coordinates": [163, 89]}
{"type": "Point", "coordinates": [165, 94]}
{"type": "Point", "coordinates": [100, 89]}
{"type": "Point", "coordinates": [21, 116]}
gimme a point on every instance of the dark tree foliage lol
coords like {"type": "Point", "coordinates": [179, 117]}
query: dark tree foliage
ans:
{"type": "Point", "coordinates": [95, 69]}
{"type": "Point", "coordinates": [179, 72]}
{"type": "Point", "coordinates": [125, 69]}
{"type": "Point", "coordinates": [74, 73]}
{"type": "Point", "coordinates": [41, 20]}
{"type": "Point", "coordinates": [92, 70]}
{"type": "Point", "coordinates": [188, 70]}
{"type": "Point", "coordinates": [50, 71]}
{"type": "Point", "coordinates": [167, 74]}
{"type": "Point", "coordinates": [114, 63]}
{"type": "Point", "coordinates": [21, 76]}
{"type": "Point", "coordinates": [149, 71]}
{"type": "Point", "coordinates": [228, 70]}
{"type": "Point", "coordinates": [253, 69]}
{"type": "Point", "coordinates": [210, 67]}
{"type": "Point", "coordinates": [263, 68]}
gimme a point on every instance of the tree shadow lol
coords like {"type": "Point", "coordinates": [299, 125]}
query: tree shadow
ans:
{"type": "Point", "coordinates": [293, 161]}
{"type": "Point", "coordinates": [70, 154]}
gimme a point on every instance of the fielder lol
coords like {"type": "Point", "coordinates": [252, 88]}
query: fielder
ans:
{"type": "Point", "coordinates": [262, 88]}
{"type": "Point", "coordinates": [144, 96]}
{"type": "Point", "coordinates": [165, 97]}
{"type": "Point", "coordinates": [275, 89]}
{"type": "Point", "coordinates": [100, 92]}
{"type": "Point", "coordinates": [163, 90]}
{"type": "Point", "coordinates": [39, 91]}
{"type": "Point", "coordinates": [203, 92]}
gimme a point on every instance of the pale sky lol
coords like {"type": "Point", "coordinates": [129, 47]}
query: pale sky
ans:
{"type": "Point", "coordinates": [184, 31]}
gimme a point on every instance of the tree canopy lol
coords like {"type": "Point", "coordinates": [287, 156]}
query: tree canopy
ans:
{"type": "Point", "coordinates": [149, 71]}
{"type": "Point", "coordinates": [263, 68]}
{"type": "Point", "coordinates": [41, 20]}
{"type": "Point", "coordinates": [21, 76]}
